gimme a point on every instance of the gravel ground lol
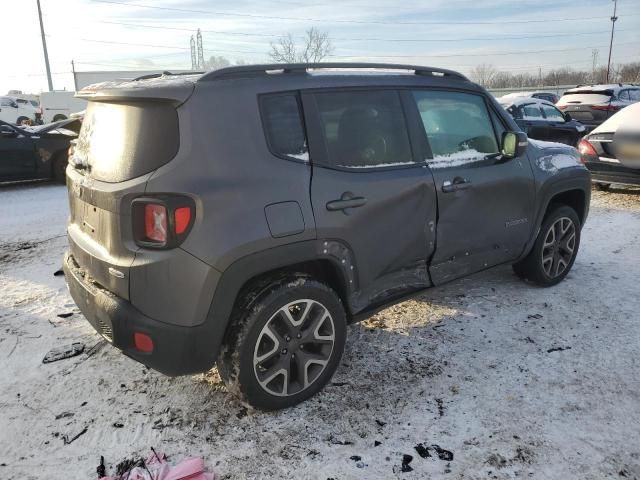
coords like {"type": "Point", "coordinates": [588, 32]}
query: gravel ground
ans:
{"type": "Point", "coordinates": [486, 377]}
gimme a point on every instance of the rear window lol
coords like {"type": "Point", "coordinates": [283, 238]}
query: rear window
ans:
{"type": "Point", "coordinates": [588, 97]}
{"type": "Point", "coordinates": [120, 141]}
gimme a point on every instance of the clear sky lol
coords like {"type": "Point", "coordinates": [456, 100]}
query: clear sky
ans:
{"type": "Point", "coordinates": [514, 35]}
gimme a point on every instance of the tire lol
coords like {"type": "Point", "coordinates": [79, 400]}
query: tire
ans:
{"type": "Point", "coordinates": [59, 168]}
{"type": "Point", "coordinates": [59, 117]}
{"type": "Point", "coordinates": [20, 120]}
{"type": "Point", "coordinates": [559, 247]}
{"type": "Point", "coordinates": [602, 187]}
{"type": "Point", "coordinates": [264, 342]}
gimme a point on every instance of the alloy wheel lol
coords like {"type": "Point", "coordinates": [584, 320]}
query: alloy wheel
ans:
{"type": "Point", "coordinates": [558, 247]}
{"type": "Point", "coordinates": [294, 347]}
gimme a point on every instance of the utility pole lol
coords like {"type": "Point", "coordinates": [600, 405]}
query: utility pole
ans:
{"type": "Point", "coordinates": [44, 48]}
{"type": "Point", "coordinates": [613, 26]}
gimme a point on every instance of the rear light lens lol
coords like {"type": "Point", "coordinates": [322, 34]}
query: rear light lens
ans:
{"type": "Point", "coordinates": [587, 152]}
{"type": "Point", "coordinates": [143, 342]}
{"type": "Point", "coordinates": [605, 108]}
{"type": "Point", "coordinates": [182, 217]}
{"type": "Point", "coordinates": [162, 221]}
{"type": "Point", "coordinates": [155, 223]}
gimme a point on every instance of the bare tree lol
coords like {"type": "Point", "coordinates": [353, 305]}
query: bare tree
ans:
{"type": "Point", "coordinates": [216, 63]}
{"type": "Point", "coordinates": [315, 48]}
{"type": "Point", "coordinates": [483, 74]}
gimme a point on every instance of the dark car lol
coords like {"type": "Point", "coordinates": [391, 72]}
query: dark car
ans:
{"type": "Point", "coordinates": [593, 104]}
{"type": "Point", "coordinates": [541, 120]}
{"type": "Point", "coordinates": [40, 152]}
{"type": "Point", "coordinates": [612, 151]}
{"type": "Point", "coordinates": [245, 216]}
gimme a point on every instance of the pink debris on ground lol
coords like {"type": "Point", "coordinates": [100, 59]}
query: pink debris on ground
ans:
{"type": "Point", "coordinates": [157, 468]}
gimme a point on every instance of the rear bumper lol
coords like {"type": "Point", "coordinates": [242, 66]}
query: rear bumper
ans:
{"type": "Point", "coordinates": [177, 350]}
{"type": "Point", "coordinates": [605, 172]}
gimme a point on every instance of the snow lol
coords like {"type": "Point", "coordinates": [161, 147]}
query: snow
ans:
{"type": "Point", "coordinates": [506, 101]}
{"type": "Point", "coordinates": [456, 159]}
{"type": "Point", "coordinates": [514, 380]}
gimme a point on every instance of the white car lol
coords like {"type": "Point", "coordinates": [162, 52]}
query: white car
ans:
{"type": "Point", "coordinates": [17, 110]}
{"type": "Point", "coordinates": [60, 105]}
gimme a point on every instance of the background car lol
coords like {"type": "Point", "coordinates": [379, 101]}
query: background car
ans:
{"type": "Point", "coordinates": [593, 104]}
{"type": "Point", "coordinates": [16, 110]}
{"type": "Point", "coordinates": [548, 96]}
{"type": "Point", "coordinates": [612, 151]}
{"type": "Point", "coordinates": [36, 152]}
{"type": "Point", "coordinates": [541, 120]}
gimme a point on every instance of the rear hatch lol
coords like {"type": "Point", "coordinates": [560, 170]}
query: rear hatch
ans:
{"type": "Point", "coordinates": [588, 106]}
{"type": "Point", "coordinates": [125, 136]}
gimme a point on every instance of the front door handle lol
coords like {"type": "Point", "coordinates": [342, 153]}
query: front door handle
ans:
{"type": "Point", "coordinates": [456, 184]}
{"type": "Point", "coordinates": [347, 200]}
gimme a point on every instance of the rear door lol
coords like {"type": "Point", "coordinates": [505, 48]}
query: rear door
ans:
{"type": "Point", "coordinates": [485, 203]}
{"type": "Point", "coordinates": [373, 199]}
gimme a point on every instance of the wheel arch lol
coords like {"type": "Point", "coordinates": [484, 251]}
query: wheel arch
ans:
{"type": "Point", "coordinates": [249, 272]}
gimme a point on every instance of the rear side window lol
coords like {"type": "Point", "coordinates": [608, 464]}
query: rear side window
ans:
{"type": "Point", "coordinates": [531, 112]}
{"type": "Point", "coordinates": [457, 125]}
{"type": "Point", "coordinates": [283, 126]}
{"type": "Point", "coordinates": [364, 129]}
{"type": "Point", "coordinates": [634, 95]}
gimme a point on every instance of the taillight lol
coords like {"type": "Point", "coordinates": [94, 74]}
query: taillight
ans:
{"type": "Point", "coordinates": [587, 152]}
{"type": "Point", "coordinates": [562, 107]}
{"type": "Point", "coordinates": [162, 221]}
{"type": "Point", "coordinates": [155, 223]}
{"type": "Point", "coordinates": [605, 108]}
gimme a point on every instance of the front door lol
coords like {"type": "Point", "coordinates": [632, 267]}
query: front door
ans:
{"type": "Point", "coordinates": [373, 199]}
{"type": "Point", "coordinates": [17, 154]}
{"type": "Point", "coordinates": [532, 122]}
{"type": "Point", "coordinates": [485, 202]}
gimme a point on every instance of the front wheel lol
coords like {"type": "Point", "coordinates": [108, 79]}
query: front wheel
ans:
{"type": "Point", "coordinates": [555, 249]}
{"type": "Point", "coordinates": [286, 345]}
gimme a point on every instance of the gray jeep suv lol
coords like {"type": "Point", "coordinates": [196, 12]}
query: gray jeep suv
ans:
{"type": "Point", "coordinates": [247, 215]}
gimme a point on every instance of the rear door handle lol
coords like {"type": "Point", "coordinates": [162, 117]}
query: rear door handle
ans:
{"type": "Point", "coordinates": [347, 200]}
{"type": "Point", "coordinates": [456, 184]}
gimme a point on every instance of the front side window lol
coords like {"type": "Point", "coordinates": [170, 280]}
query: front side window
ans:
{"type": "Point", "coordinates": [634, 95]}
{"type": "Point", "coordinates": [6, 102]}
{"type": "Point", "coordinates": [364, 129]}
{"type": "Point", "coordinates": [623, 95]}
{"type": "Point", "coordinates": [458, 127]}
{"type": "Point", "coordinates": [531, 112]}
{"type": "Point", "coordinates": [552, 113]}
{"type": "Point", "coordinates": [283, 126]}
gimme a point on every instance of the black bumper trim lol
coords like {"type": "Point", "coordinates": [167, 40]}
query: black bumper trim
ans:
{"type": "Point", "coordinates": [177, 350]}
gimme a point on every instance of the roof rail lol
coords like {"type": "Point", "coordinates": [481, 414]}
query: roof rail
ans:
{"type": "Point", "coordinates": [245, 71]}
{"type": "Point", "coordinates": [166, 72]}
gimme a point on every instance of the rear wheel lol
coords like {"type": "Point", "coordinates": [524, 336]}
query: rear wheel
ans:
{"type": "Point", "coordinates": [286, 345]}
{"type": "Point", "coordinates": [555, 249]}
{"type": "Point", "coordinates": [602, 187]}
{"type": "Point", "coordinates": [20, 120]}
{"type": "Point", "coordinates": [59, 117]}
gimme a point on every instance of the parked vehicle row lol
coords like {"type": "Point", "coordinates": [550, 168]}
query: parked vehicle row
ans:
{"type": "Point", "coordinates": [18, 110]}
{"type": "Point", "coordinates": [250, 234]}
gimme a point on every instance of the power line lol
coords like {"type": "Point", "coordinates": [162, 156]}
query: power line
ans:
{"type": "Point", "coordinates": [360, 39]}
{"type": "Point", "coordinates": [512, 52]}
{"type": "Point", "coordinates": [363, 22]}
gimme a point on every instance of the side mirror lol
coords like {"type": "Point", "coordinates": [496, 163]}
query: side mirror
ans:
{"type": "Point", "coordinates": [14, 105]}
{"type": "Point", "coordinates": [567, 117]}
{"type": "Point", "coordinates": [514, 144]}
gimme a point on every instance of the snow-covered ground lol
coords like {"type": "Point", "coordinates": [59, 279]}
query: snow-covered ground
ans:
{"type": "Point", "coordinates": [513, 380]}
